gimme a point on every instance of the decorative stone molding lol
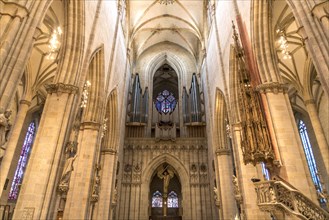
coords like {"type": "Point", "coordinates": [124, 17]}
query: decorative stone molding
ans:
{"type": "Point", "coordinates": [273, 87]}
{"type": "Point", "coordinates": [63, 188]}
{"type": "Point", "coordinates": [91, 125]}
{"type": "Point", "coordinates": [222, 151]}
{"type": "Point", "coordinates": [61, 88]}
{"type": "Point", "coordinates": [28, 213]}
{"type": "Point", "coordinates": [109, 151]}
{"type": "Point", "coordinates": [13, 10]}
{"type": "Point", "coordinates": [320, 10]}
{"type": "Point", "coordinates": [25, 102]}
{"type": "Point", "coordinates": [194, 168]}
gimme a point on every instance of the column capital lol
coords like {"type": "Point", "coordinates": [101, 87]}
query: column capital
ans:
{"type": "Point", "coordinates": [13, 9]}
{"type": "Point", "coordinates": [320, 10]}
{"type": "Point", "coordinates": [61, 88]}
{"type": "Point", "coordinates": [272, 87]}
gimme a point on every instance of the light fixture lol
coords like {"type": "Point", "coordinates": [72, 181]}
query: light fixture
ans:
{"type": "Point", "coordinates": [167, 2]}
{"type": "Point", "coordinates": [283, 44]}
{"type": "Point", "coordinates": [54, 43]}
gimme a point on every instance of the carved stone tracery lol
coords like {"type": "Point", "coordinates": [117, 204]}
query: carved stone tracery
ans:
{"type": "Point", "coordinates": [276, 195]}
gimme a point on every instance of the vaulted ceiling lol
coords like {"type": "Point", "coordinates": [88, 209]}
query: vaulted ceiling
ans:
{"type": "Point", "coordinates": [179, 24]}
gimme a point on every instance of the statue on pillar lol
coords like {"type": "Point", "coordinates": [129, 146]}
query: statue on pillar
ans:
{"type": "Point", "coordinates": [237, 193]}
{"type": "Point", "coordinates": [70, 151]}
{"type": "Point", "coordinates": [216, 196]}
{"type": "Point", "coordinates": [68, 168]}
{"type": "Point", "coordinates": [96, 185]}
{"type": "Point", "coordinates": [5, 126]}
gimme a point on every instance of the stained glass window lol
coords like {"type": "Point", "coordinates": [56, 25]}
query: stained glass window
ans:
{"type": "Point", "coordinates": [165, 102]}
{"type": "Point", "coordinates": [172, 200]}
{"type": "Point", "coordinates": [22, 162]}
{"type": "Point", "coordinates": [309, 155]}
{"type": "Point", "coordinates": [265, 172]}
{"type": "Point", "coordinates": [157, 200]}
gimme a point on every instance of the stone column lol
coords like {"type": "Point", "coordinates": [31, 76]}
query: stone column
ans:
{"type": "Point", "coordinates": [315, 39]}
{"type": "Point", "coordinates": [294, 167]}
{"type": "Point", "coordinates": [108, 165]}
{"type": "Point", "coordinates": [321, 10]}
{"type": "Point", "coordinates": [18, 21]}
{"type": "Point", "coordinates": [11, 148]}
{"type": "Point", "coordinates": [225, 170]}
{"type": "Point", "coordinates": [319, 134]}
{"type": "Point", "coordinates": [249, 207]}
{"type": "Point", "coordinates": [81, 182]}
{"type": "Point", "coordinates": [39, 179]}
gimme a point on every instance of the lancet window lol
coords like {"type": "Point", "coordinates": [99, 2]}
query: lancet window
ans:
{"type": "Point", "coordinates": [22, 162]}
{"type": "Point", "coordinates": [309, 155]}
{"type": "Point", "coordinates": [172, 200]}
{"type": "Point", "coordinates": [157, 200]}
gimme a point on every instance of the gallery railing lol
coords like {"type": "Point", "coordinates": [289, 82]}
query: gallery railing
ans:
{"type": "Point", "coordinates": [274, 195]}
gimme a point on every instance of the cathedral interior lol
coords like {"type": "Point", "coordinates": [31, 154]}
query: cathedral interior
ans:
{"type": "Point", "coordinates": [164, 109]}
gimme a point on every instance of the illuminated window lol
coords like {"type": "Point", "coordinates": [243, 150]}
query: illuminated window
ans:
{"type": "Point", "coordinates": [165, 102]}
{"type": "Point", "coordinates": [172, 200]}
{"type": "Point", "coordinates": [157, 200]}
{"type": "Point", "coordinates": [22, 162]}
{"type": "Point", "coordinates": [309, 155]}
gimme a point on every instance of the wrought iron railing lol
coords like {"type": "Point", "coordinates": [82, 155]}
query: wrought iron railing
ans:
{"type": "Point", "coordinates": [276, 195]}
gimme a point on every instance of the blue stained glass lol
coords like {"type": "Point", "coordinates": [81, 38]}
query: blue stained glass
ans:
{"type": "Point", "coordinates": [22, 162]}
{"type": "Point", "coordinates": [309, 155]}
{"type": "Point", "coordinates": [157, 200]}
{"type": "Point", "coordinates": [165, 93]}
{"type": "Point", "coordinates": [172, 200]}
{"type": "Point", "coordinates": [165, 102]}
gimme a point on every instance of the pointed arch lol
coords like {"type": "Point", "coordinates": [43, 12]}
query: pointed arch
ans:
{"type": "Point", "coordinates": [182, 175]}
{"type": "Point", "coordinates": [111, 139]}
{"type": "Point", "coordinates": [96, 77]}
{"type": "Point", "coordinates": [220, 119]}
{"type": "Point", "coordinates": [234, 86]}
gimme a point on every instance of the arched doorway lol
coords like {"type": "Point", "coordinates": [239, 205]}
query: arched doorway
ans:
{"type": "Point", "coordinates": [165, 194]}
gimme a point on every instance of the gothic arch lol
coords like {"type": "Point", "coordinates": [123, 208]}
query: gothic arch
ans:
{"type": "Point", "coordinates": [234, 86]}
{"type": "Point", "coordinates": [183, 177]}
{"type": "Point", "coordinates": [96, 77]}
{"type": "Point", "coordinates": [220, 119]}
{"type": "Point", "coordinates": [111, 135]}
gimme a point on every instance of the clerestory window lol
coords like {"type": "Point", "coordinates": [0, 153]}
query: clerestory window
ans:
{"type": "Point", "coordinates": [22, 162]}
